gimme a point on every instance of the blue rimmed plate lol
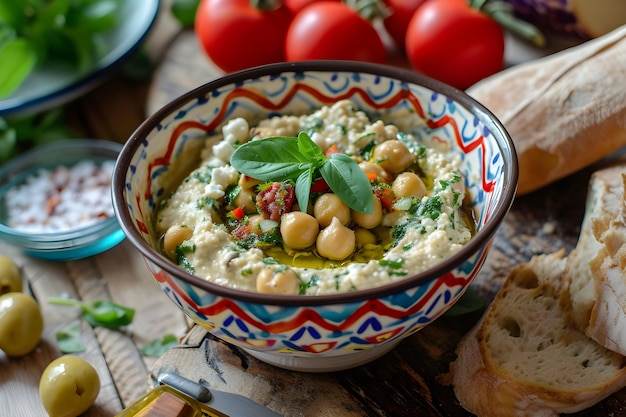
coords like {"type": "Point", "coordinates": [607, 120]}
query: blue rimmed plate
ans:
{"type": "Point", "coordinates": [58, 82]}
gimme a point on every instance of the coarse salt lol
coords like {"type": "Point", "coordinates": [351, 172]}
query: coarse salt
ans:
{"type": "Point", "coordinates": [61, 199]}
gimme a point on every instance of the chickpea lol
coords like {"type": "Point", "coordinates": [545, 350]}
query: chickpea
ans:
{"type": "Point", "coordinates": [246, 182]}
{"type": "Point", "coordinates": [299, 230]}
{"type": "Point", "coordinates": [393, 156]}
{"type": "Point", "coordinates": [364, 237]}
{"type": "Point", "coordinates": [369, 221]}
{"type": "Point", "coordinates": [271, 281]}
{"type": "Point", "coordinates": [336, 241]}
{"type": "Point", "coordinates": [372, 168]}
{"type": "Point", "coordinates": [173, 237]}
{"type": "Point", "coordinates": [255, 224]}
{"type": "Point", "coordinates": [246, 199]}
{"type": "Point", "coordinates": [328, 206]}
{"type": "Point", "coordinates": [408, 184]}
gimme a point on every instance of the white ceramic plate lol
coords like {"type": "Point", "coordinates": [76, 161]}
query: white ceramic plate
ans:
{"type": "Point", "coordinates": [58, 82]}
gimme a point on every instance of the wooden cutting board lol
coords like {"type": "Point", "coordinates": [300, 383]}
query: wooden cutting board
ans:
{"type": "Point", "coordinates": [408, 381]}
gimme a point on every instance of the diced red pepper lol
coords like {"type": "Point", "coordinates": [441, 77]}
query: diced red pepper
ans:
{"type": "Point", "coordinates": [331, 150]}
{"type": "Point", "coordinates": [319, 186]}
{"type": "Point", "coordinates": [386, 197]}
{"type": "Point", "coordinates": [238, 213]}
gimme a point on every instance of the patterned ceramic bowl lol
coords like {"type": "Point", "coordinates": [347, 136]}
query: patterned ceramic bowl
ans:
{"type": "Point", "coordinates": [326, 332]}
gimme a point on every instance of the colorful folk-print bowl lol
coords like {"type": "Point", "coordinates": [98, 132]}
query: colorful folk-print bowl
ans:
{"type": "Point", "coordinates": [326, 332]}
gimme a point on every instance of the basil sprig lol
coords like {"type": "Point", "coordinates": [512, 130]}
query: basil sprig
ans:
{"type": "Point", "coordinates": [281, 158]}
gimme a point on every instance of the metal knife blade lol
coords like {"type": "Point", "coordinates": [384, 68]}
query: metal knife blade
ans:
{"type": "Point", "coordinates": [234, 405]}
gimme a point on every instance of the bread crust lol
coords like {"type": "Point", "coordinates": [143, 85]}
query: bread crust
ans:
{"type": "Point", "coordinates": [563, 112]}
{"type": "Point", "coordinates": [607, 322]}
{"type": "Point", "coordinates": [536, 364]}
{"type": "Point", "coordinates": [578, 293]}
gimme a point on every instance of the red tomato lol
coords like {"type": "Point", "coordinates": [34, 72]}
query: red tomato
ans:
{"type": "Point", "coordinates": [295, 6]}
{"type": "Point", "coordinates": [449, 41]}
{"type": "Point", "coordinates": [235, 35]}
{"type": "Point", "coordinates": [332, 30]}
{"type": "Point", "coordinates": [398, 20]}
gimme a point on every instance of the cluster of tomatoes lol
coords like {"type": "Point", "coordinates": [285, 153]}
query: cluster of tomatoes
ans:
{"type": "Point", "coordinates": [445, 39]}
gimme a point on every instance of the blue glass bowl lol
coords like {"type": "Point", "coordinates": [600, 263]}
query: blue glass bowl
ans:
{"type": "Point", "coordinates": [75, 243]}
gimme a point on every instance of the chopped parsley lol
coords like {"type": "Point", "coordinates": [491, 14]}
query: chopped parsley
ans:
{"type": "Point", "coordinates": [313, 282]}
{"type": "Point", "coordinates": [181, 257]}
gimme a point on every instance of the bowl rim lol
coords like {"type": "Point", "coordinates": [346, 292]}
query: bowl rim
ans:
{"type": "Point", "coordinates": [74, 233]}
{"type": "Point", "coordinates": [482, 237]}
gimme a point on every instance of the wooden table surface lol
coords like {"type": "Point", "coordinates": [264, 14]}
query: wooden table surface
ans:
{"type": "Point", "coordinates": [407, 381]}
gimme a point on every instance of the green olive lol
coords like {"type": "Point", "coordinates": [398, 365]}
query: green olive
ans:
{"type": "Point", "coordinates": [68, 386]}
{"type": "Point", "coordinates": [21, 323]}
{"type": "Point", "coordinates": [10, 276]}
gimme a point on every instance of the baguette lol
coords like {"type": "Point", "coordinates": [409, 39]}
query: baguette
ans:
{"type": "Point", "coordinates": [524, 359]}
{"type": "Point", "coordinates": [564, 111]}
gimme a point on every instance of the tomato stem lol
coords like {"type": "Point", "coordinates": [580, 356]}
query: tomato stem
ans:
{"type": "Point", "coordinates": [503, 13]}
{"type": "Point", "coordinates": [369, 9]}
{"type": "Point", "coordinates": [266, 5]}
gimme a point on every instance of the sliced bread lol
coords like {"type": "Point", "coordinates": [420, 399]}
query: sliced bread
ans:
{"type": "Point", "coordinates": [524, 359]}
{"type": "Point", "coordinates": [607, 322]}
{"type": "Point", "coordinates": [578, 291]}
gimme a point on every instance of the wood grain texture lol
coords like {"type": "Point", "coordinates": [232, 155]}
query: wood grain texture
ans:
{"type": "Point", "coordinates": [115, 275]}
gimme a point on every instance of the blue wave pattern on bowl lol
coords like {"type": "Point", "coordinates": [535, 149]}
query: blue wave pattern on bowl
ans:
{"type": "Point", "coordinates": [336, 328]}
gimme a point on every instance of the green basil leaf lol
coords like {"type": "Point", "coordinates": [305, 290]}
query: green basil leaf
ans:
{"type": "Point", "coordinates": [18, 59]}
{"type": "Point", "coordinates": [8, 143]}
{"type": "Point", "coordinates": [68, 339]}
{"type": "Point", "coordinates": [99, 16]}
{"type": "Point", "coordinates": [303, 189]}
{"type": "Point", "coordinates": [469, 302]}
{"type": "Point", "coordinates": [270, 159]}
{"type": "Point", "coordinates": [158, 347]}
{"type": "Point", "coordinates": [12, 14]}
{"type": "Point", "coordinates": [310, 150]}
{"type": "Point", "coordinates": [346, 179]}
{"type": "Point", "coordinates": [106, 313]}
{"type": "Point", "coordinates": [185, 11]}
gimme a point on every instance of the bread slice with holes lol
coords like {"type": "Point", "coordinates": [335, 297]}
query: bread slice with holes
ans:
{"type": "Point", "coordinates": [524, 358]}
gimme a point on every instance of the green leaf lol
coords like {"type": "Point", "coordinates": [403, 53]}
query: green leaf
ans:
{"type": "Point", "coordinates": [103, 313]}
{"type": "Point", "coordinates": [8, 141]}
{"type": "Point", "coordinates": [303, 189]}
{"type": "Point", "coordinates": [185, 11]}
{"type": "Point", "coordinates": [346, 179]}
{"type": "Point", "coordinates": [18, 58]}
{"type": "Point", "coordinates": [106, 313]}
{"type": "Point", "coordinates": [469, 302]}
{"type": "Point", "coordinates": [68, 339]}
{"type": "Point", "coordinates": [310, 150]}
{"type": "Point", "coordinates": [271, 159]}
{"type": "Point", "coordinates": [99, 16]}
{"type": "Point", "coordinates": [158, 347]}
{"type": "Point", "coordinates": [12, 14]}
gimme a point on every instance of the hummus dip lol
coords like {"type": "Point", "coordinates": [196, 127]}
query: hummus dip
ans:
{"type": "Point", "coordinates": [241, 232]}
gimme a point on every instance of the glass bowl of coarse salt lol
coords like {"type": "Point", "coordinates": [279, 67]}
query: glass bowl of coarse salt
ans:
{"type": "Point", "coordinates": [55, 200]}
